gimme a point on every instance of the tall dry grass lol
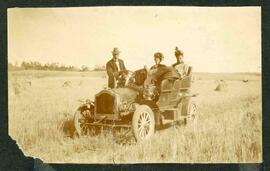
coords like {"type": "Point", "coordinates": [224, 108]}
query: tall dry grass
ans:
{"type": "Point", "coordinates": [228, 128]}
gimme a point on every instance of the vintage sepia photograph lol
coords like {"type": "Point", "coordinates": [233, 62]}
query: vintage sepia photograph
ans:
{"type": "Point", "coordinates": [154, 84]}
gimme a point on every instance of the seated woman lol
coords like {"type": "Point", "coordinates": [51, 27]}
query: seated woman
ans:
{"type": "Point", "coordinates": [159, 72]}
{"type": "Point", "coordinates": [181, 67]}
{"type": "Point", "coordinates": [155, 72]}
{"type": "Point", "coordinates": [154, 77]}
{"type": "Point", "coordinates": [158, 57]}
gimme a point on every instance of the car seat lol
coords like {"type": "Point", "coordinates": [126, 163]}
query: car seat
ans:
{"type": "Point", "coordinates": [171, 83]}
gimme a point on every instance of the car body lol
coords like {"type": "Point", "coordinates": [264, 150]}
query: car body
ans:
{"type": "Point", "coordinates": [143, 108]}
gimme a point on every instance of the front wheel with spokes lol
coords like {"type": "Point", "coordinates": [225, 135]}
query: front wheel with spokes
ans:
{"type": "Point", "coordinates": [143, 123]}
{"type": "Point", "coordinates": [81, 123]}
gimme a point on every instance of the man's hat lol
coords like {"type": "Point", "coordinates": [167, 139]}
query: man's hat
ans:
{"type": "Point", "coordinates": [178, 51]}
{"type": "Point", "coordinates": [115, 51]}
{"type": "Point", "coordinates": [158, 55]}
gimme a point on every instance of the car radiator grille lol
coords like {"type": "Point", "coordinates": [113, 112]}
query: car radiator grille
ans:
{"type": "Point", "coordinates": [104, 104]}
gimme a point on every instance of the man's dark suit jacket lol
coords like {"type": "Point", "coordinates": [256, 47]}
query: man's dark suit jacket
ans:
{"type": "Point", "coordinates": [113, 71]}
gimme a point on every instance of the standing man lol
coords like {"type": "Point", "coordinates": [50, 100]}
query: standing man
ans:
{"type": "Point", "coordinates": [114, 68]}
{"type": "Point", "coordinates": [180, 66]}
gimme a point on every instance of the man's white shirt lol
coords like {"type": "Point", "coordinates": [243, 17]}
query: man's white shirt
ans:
{"type": "Point", "coordinates": [117, 64]}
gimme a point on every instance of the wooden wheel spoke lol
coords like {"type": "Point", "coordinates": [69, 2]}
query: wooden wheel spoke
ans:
{"type": "Point", "coordinates": [147, 119]}
{"type": "Point", "coordinates": [83, 114]}
{"type": "Point", "coordinates": [140, 127]}
{"type": "Point", "coordinates": [141, 117]}
{"type": "Point", "coordinates": [84, 130]}
{"type": "Point", "coordinates": [81, 120]}
{"type": "Point", "coordinates": [140, 132]}
{"type": "Point", "coordinates": [147, 127]}
{"type": "Point", "coordinates": [144, 115]}
{"type": "Point", "coordinates": [144, 132]}
{"type": "Point", "coordinates": [82, 125]}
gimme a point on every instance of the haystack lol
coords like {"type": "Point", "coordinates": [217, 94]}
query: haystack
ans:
{"type": "Point", "coordinates": [66, 84]}
{"type": "Point", "coordinates": [221, 86]}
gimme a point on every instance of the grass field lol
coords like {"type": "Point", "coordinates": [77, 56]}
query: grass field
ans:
{"type": "Point", "coordinates": [42, 104]}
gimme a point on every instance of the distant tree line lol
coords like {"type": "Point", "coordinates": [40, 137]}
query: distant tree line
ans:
{"type": "Point", "coordinates": [99, 68]}
{"type": "Point", "coordinates": [34, 65]}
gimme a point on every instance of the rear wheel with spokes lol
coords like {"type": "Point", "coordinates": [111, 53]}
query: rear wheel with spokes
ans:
{"type": "Point", "coordinates": [191, 115]}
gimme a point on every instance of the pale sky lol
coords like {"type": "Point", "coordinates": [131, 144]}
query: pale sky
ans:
{"type": "Point", "coordinates": [214, 39]}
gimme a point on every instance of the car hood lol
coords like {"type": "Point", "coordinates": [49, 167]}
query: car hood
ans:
{"type": "Point", "coordinates": [126, 94]}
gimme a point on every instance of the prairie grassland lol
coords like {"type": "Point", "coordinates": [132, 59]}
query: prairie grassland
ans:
{"type": "Point", "coordinates": [41, 109]}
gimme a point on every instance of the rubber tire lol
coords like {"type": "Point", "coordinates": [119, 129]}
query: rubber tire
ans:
{"type": "Point", "coordinates": [135, 122]}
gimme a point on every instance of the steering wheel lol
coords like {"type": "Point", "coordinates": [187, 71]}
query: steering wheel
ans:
{"type": "Point", "coordinates": [124, 78]}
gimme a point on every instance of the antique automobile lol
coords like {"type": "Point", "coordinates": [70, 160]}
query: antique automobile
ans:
{"type": "Point", "coordinates": [139, 103]}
